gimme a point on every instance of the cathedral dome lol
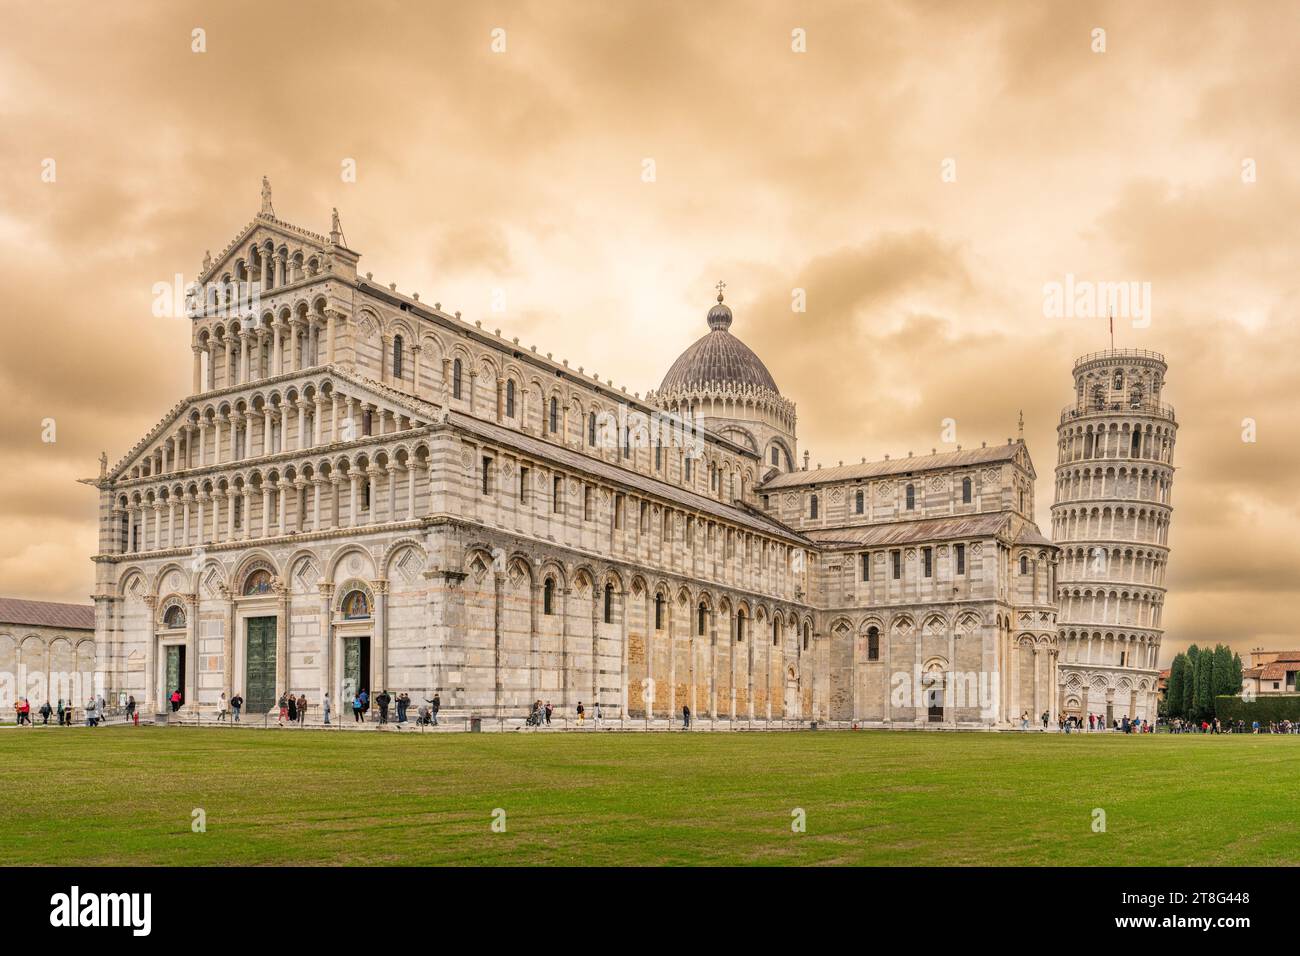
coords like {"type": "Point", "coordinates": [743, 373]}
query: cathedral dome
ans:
{"type": "Point", "coordinates": [719, 358]}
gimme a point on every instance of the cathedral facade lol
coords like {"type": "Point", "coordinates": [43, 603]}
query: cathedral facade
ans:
{"type": "Point", "coordinates": [366, 491]}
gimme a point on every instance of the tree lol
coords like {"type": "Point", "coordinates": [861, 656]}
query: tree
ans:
{"type": "Point", "coordinates": [1189, 683]}
{"type": "Point", "coordinates": [1223, 671]}
{"type": "Point", "coordinates": [1174, 690]}
{"type": "Point", "coordinates": [1203, 696]}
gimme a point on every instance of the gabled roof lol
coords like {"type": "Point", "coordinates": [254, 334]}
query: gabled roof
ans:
{"type": "Point", "coordinates": [901, 466]}
{"type": "Point", "coordinates": [79, 617]}
{"type": "Point", "coordinates": [271, 225]}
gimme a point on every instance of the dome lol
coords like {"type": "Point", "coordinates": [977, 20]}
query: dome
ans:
{"type": "Point", "coordinates": [719, 358]}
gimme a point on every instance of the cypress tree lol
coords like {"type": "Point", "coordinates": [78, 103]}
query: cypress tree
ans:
{"type": "Point", "coordinates": [1174, 690]}
{"type": "Point", "coordinates": [1189, 683]}
{"type": "Point", "coordinates": [1203, 696]}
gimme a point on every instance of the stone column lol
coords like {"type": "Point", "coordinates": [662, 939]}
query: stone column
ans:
{"type": "Point", "coordinates": [327, 643]}
{"type": "Point", "coordinates": [281, 638]}
{"type": "Point", "coordinates": [191, 651]}
{"type": "Point", "coordinates": [277, 360]}
{"type": "Point", "coordinates": [152, 696]}
{"type": "Point", "coordinates": [198, 368]}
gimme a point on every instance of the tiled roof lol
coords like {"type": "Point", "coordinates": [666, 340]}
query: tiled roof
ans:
{"type": "Point", "coordinates": [1277, 670]}
{"type": "Point", "coordinates": [47, 614]}
{"type": "Point", "coordinates": [895, 466]}
{"type": "Point", "coordinates": [911, 532]}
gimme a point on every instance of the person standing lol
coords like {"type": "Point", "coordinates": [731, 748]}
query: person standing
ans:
{"type": "Point", "coordinates": [302, 710]}
{"type": "Point", "coordinates": [597, 716]}
{"type": "Point", "coordinates": [686, 717]}
{"type": "Point", "coordinates": [45, 712]}
{"type": "Point", "coordinates": [221, 707]}
{"type": "Point", "coordinates": [548, 713]}
{"type": "Point", "coordinates": [435, 705]}
{"type": "Point", "coordinates": [284, 710]}
{"type": "Point", "coordinates": [132, 711]}
{"type": "Point", "coordinates": [356, 708]}
{"type": "Point", "coordinates": [176, 700]}
{"type": "Point", "coordinates": [236, 705]}
{"type": "Point", "coordinates": [582, 714]}
{"type": "Point", "coordinates": [383, 700]}
{"type": "Point", "coordinates": [292, 706]}
{"type": "Point", "coordinates": [365, 703]}
{"type": "Point", "coordinates": [325, 707]}
{"type": "Point", "coordinates": [403, 702]}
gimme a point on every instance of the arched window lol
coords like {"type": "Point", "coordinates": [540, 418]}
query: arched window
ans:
{"type": "Point", "coordinates": [397, 356]}
{"type": "Point", "coordinates": [1119, 379]}
{"type": "Point", "coordinates": [356, 605]}
{"type": "Point", "coordinates": [555, 415]}
{"type": "Point", "coordinates": [455, 378]}
{"type": "Point", "coordinates": [812, 507]}
{"type": "Point", "coordinates": [548, 596]}
{"type": "Point", "coordinates": [805, 637]}
{"type": "Point", "coordinates": [911, 497]}
{"type": "Point", "coordinates": [776, 456]}
{"type": "Point", "coordinates": [701, 616]}
{"type": "Point", "coordinates": [740, 627]}
{"type": "Point", "coordinates": [259, 582]}
{"type": "Point", "coordinates": [859, 502]}
{"type": "Point", "coordinates": [609, 604]}
{"type": "Point", "coordinates": [510, 398]}
{"type": "Point", "coordinates": [776, 632]}
{"type": "Point", "coordinates": [174, 617]}
{"type": "Point", "coordinates": [1024, 564]}
{"type": "Point", "coordinates": [591, 429]}
{"type": "Point", "coordinates": [659, 612]}
{"type": "Point", "coordinates": [965, 491]}
{"type": "Point", "coordinates": [873, 644]}
{"type": "Point", "coordinates": [627, 441]}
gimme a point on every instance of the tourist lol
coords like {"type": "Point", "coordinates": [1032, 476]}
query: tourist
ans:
{"type": "Point", "coordinates": [302, 709]}
{"type": "Point", "coordinates": [176, 700]}
{"type": "Point", "coordinates": [1024, 720]}
{"type": "Point", "coordinates": [91, 719]}
{"type": "Point", "coordinates": [221, 707]}
{"type": "Point", "coordinates": [236, 704]}
{"type": "Point", "coordinates": [435, 705]}
{"type": "Point", "coordinates": [364, 696]}
{"type": "Point", "coordinates": [24, 709]}
{"type": "Point", "coordinates": [284, 710]}
{"type": "Point", "coordinates": [686, 718]}
{"type": "Point", "coordinates": [46, 710]}
{"type": "Point", "coordinates": [292, 707]}
{"type": "Point", "coordinates": [548, 713]}
{"type": "Point", "coordinates": [132, 711]}
{"type": "Point", "coordinates": [1045, 719]}
{"type": "Point", "coordinates": [403, 704]}
{"type": "Point", "coordinates": [356, 708]}
{"type": "Point", "coordinates": [325, 707]}
{"type": "Point", "coordinates": [582, 714]}
{"type": "Point", "coordinates": [383, 700]}
{"type": "Point", "coordinates": [597, 717]}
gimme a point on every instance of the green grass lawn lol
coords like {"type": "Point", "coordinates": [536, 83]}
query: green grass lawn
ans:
{"type": "Point", "coordinates": [123, 795]}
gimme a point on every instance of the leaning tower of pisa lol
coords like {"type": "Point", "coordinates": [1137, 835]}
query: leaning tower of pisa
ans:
{"type": "Point", "coordinates": [1114, 475]}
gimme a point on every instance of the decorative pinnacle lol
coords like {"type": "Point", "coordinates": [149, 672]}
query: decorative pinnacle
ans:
{"type": "Point", "coordinates": [720, 287]}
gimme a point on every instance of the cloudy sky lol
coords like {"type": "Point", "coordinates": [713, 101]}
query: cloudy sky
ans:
{"type": "Point", "coordinates": [920, 170]}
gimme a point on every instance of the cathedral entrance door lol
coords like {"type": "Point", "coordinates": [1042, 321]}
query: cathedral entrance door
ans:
{"type": "Point", "coordinates": [356, 668]}
{"type": "Point", "coordinates": [259, 665]}
{"type": "Point", "coordinates": [934, 702]}
{"type": "Point", "coordinates": [175, 671]}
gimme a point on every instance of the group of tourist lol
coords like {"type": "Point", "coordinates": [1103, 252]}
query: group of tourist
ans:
{"type": "Point", "coordinates": [1181, 725]}
{"type": "Point", "coordinates": [1073, 723]}
{"type": "Point", "coordinates": [61, 711]}
{"type": "Point", "coordinates": [541, 712]}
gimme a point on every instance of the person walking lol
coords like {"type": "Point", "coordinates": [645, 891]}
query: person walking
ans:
{"type": "Point", "coordinates": [356, 708]}
{"type": "Point", "coordinates": [1024, 720]}
{"type": "Point", "coordinates": [383, 700]}
{"type": "Point", "coordinates": [176, 700]}
{"type": "Point", "coordinates": [221, 707]}
{"type": "Point", "coordinates": [302, 710]}
{"type": "Point", "coordinates": [435, 705]}
{"type": "Point", "coordinates": [292, 703]}
{"type": "Point", "coordinates": [325, 707]}
{"type": "Point", "coordinates": [236, 705]}
{"type": "Point", "coordinates": [597, 716]}
{"type": "Point", "coordinates": [132, 711]}
{"type": "Point", "coordinates": [686, 717]}
{"type": "Point", "coordinates": [582, 714]}
{"type": "Point", "coordinates": [284, 711]}
{"type": "Point", "coordinates": [45, 712]}
{"type": "Point", "coordinates": [365, 703]}
{"type": "Point", "coordinates": [548, 713]}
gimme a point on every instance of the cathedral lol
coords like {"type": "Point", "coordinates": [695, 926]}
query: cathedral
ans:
{"type": "Point", "coordinates": [367, 491]}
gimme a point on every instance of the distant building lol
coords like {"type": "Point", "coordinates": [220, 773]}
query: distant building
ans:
{"type": "Point", "coordinates": [44, 648]}
{"type": "Point", "coordinates": [1271, 672]}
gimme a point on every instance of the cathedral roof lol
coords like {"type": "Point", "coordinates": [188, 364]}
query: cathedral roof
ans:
{"type": "Point", "coordinates": [899, 466]}
{"type": "Point", "coordinates": [718, 358]}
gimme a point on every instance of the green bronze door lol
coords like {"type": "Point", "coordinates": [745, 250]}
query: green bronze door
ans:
{"type": "Point", "coordinates": [259, 665]}
{"type": "Point", "coordinates": [175, 671]}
